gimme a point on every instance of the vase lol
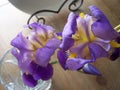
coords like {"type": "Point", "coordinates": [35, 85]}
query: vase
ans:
{"type": "Point", "coordinates": [10, 75]}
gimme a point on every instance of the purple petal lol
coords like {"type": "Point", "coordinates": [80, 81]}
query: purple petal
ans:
{"type": "Point", "coordinates": [78, 49]}
{"type": "Point", "coordinates": [102, 27]}
{"type": "Point", "coordinates": [104, 44]}
{"type": "Point", "coordinates": [90, 69]}
{"type": "Point", "coordinates": [82, 24]}
{"type": "Point", "coordinates": [97, 51]}
{"type": "Point", "coordinates": [29, 80]}
{"type": "Point", "coordinates": [67, 43]}
{"type": "Point", "coordinates": [32, 67]}
{"type": "Point", "coordinates": [76, 63]}
{"type": "Point", "coordinates": [59, 33]}
{"type": "Point", "coordinates": [44, 73]}
{"type": "Point", "coordinates": [68, 31]}
{"type": "Point", "coordinates": [62, 57]}
{"type": "Point", "coordinates": [43, 56]}
{"type": "Point", "coordinates": [38, 27]}
{"type": "Point", "coordinates": [70, 27]}
{"type": "Point", "coordinates": [21, 42]}
{"type": "Point", "coordinates": [24, 65]}
{"type": "Point", "coordinates": [53, 43]}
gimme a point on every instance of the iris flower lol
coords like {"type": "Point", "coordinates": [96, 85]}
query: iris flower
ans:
{"type": "Point", "coordinates": [33, 50]}
{"type": "Point", "coordinates": [85, 38]}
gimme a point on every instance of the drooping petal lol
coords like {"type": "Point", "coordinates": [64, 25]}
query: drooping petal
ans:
{"type": "Point", "coordinates": [32, 67]}
{"type": "Point", "coordinates": [29, 80]}
{"type": "Point", "coordinates": [104, 44]}
{"type": "Point", "coordinates": [21, 43]}
{"type": "Point", "coordinates": [97, 51]}
{"type": "Point", "coordinates": [24, 65]}
{"type": "Point", "coordinates": [90, 69]}
{"type": "Point", "coordinates": [43, 56]}
{"type": "Point", "coordinates": [62, 58]}
{"type": "Point", "coordinates": [76, 63]}
{"type": "Point", "coordinates": [101, 27]}
{"type": "Point", "coordinates": [43, 73]}
{"type": "Point", "coordinates": [68, 31]}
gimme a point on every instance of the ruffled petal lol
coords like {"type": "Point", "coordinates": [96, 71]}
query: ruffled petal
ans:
{"type": "Point", "coordinates": [21, 43]}
{"type": "Point", "coordinates": [43, 56]}
{"type": "Point", "coordinates": [44, 73]}
{"type": "Point", "coordinates": [68, 31]}
{"type": "Point", "coordinates": [90, 69]}
{"type": "Point", "coordinates": [40, 27]}
{"type": "Point", "coordinates": [62, 58]}
{"type": "Point", "coordinates": [101, 27]}
{"type": "Point", "coordinates": [97, 51]}
{"type": "Point", "coordinates": [29, 80]}
{"type": "Point", "coordinates": [76, 63]}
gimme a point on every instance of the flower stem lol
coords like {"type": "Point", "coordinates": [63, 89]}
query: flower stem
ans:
{"type": "Point", "coordinates": [54, 62]}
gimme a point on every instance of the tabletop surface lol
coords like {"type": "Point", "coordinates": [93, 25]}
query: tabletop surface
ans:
{"type": "Point", "coordinates": [12, 21]}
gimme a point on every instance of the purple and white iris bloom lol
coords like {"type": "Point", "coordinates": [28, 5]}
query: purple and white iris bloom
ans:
{"type": "Point", "coordinates": [86, 38]}
{"type": "Point", "coordinates": [33, 50]}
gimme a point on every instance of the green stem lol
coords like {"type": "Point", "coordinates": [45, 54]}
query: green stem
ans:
{"type": "Point", "coordinates": [54, 62]}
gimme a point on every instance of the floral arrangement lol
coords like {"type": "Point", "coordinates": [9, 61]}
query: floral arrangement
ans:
{"type": "Point", "coordinates": [84, 39]}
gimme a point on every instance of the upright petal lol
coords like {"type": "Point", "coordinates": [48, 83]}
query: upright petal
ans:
{"type": "Point", "coordinates": [68, 31]}
{"type": "Point", "coordinates": [101, 27]}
